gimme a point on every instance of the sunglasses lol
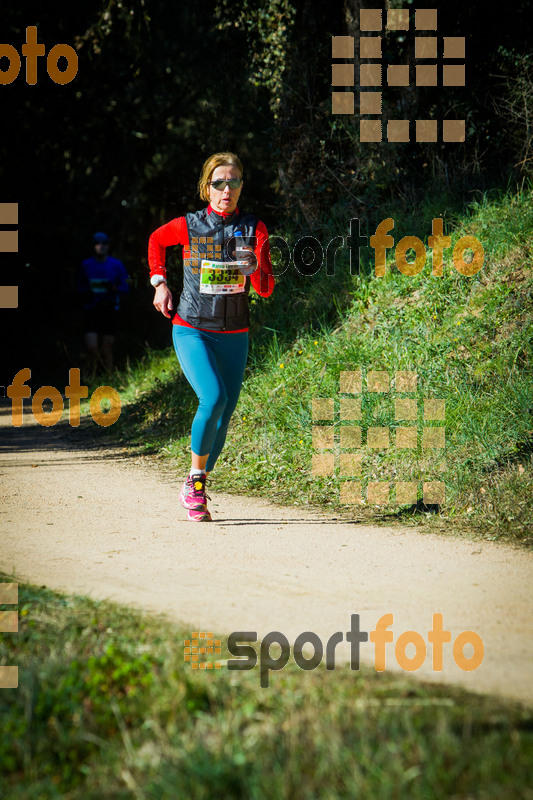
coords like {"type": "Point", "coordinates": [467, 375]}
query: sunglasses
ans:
{"type": "Point", "coordinates": [234, 183]}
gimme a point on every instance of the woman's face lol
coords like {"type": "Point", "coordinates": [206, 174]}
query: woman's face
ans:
{"type": "Point", "coordinates": [225, 199]}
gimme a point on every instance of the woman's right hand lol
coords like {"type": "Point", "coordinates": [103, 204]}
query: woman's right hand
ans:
{"type": "Point", "coordinates": [163, 299]}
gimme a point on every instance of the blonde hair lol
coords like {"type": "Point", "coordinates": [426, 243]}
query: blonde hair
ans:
{"type": "Point", "coordinates": [214, 161]}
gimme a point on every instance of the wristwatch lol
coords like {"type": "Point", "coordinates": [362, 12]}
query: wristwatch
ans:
{"type": "Point", "coordinates": [155, 280]}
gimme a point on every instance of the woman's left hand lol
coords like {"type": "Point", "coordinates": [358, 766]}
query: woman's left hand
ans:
{"type": "Point", "coordinates": [250, 257]}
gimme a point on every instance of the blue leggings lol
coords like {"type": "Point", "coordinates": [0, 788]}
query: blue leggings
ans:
{"type": "Point", "coordinates": [213, 363]}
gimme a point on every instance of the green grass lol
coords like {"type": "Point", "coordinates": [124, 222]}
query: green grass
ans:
{"type": "Point", "coordinates": [107, 708]}
{"type": "Point", "coordinates": [469, 339]}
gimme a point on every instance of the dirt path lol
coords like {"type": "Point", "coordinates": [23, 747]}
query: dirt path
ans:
{"type": "Point", "coordinates": [95, 522]}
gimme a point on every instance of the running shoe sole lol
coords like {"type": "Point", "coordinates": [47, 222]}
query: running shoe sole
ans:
{"type": "Point", "coordinates": [199, 515]}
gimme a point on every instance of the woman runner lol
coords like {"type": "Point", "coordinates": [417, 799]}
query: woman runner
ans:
{"type": "Point", "coordinates": [210, 326]}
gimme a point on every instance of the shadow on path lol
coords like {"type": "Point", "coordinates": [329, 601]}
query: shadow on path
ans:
{"type": "Point", "coordinates": [31, 437]}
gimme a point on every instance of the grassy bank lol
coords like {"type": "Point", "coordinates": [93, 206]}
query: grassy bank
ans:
{"type": "Point", "coordinates": [470, 340]}
{"type": "Point", "coordinates": [107, 708]}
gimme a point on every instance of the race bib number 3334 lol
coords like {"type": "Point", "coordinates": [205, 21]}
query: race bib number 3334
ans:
{"type": "Point", "coordinates": [217, 278]}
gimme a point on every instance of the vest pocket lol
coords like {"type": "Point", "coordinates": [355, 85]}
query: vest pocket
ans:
{"type": "Point", "coordinates": [237, 311]}
{"type": "Point", "coordinates": [210, 312]}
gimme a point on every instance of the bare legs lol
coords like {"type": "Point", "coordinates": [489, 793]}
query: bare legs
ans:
{"type": "Point", "coordinates": [102, 354]}
{"type": "Point", "coordinates": [199, 462]}
{"type": "Point", "coordinates": [107, 350]}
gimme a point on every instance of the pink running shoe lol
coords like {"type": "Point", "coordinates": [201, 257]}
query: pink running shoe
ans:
{"type": "Point", "coordinates": [192, 494]}
{"type": "Point", "coordinates": [199, 515]}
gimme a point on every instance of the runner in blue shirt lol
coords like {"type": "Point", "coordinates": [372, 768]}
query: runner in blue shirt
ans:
{"type": "Point", "coordinates": [101, 283]}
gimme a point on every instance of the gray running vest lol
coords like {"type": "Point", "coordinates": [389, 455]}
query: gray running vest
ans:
{"type": "Point", "coordinates": [212, 236]}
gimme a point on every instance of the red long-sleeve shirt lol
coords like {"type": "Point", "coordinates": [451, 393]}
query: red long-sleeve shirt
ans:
{"type": "Point", "coordinates": [175, 232]}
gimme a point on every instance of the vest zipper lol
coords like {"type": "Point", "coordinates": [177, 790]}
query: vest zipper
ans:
{"type": "Point", "coordinates": [224, 256]}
